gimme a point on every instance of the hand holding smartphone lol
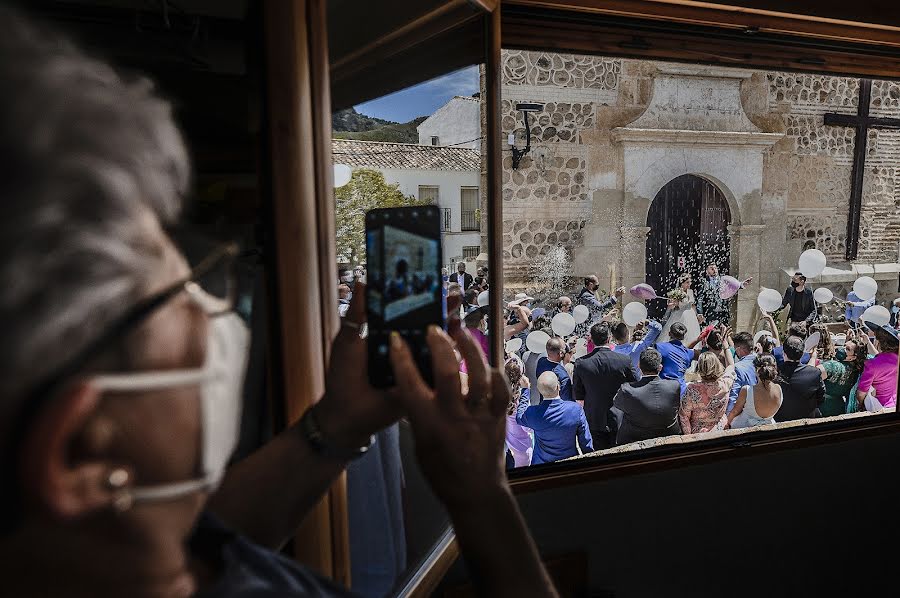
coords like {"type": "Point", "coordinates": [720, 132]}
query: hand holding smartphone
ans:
{"type": "Point", "coordinates": [404, 292]}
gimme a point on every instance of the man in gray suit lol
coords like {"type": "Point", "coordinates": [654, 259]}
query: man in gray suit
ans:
{"type": "Point", "coordinates": [650, 405]}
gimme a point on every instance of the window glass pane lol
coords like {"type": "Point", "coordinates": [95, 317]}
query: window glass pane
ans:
{"type": "Point", "coordinates": [701, 186]}
{"type": "Point", "coordinates": [397, 158]}
{"type": "Point", "coordinates": [469, 199]}
{"type": "Point", "coordinates": [429, 194]}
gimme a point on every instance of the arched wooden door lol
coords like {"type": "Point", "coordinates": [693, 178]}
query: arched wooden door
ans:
{"type": "Point", "coordinates": [688, 222]}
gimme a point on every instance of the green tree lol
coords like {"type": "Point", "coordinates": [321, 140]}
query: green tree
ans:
{"type": "Point", "coordinates": [366, 190]}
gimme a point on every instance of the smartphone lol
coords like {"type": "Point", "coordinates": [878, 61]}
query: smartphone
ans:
{"type": "Point", "coordinates": [405, 285]}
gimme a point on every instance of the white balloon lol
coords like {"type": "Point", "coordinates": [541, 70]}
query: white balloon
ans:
{"type": "Point", "coordinates": [536, 341]}
{"type": "Point", "coordinates": [563, 324]}
{"type": "Point", "coordinates": [342, 175]}
{"type": "Point", "coordinates": [865, 288]}
{"type": "Point", "coordinates": [482, 298]}
{"type": "Point", "coordinates": [812, 263]}
{"type": "Point", "coordinates": [812, 341]}
{"type": "Point", "coordinates": [581, 313]}
{"type": "Point", "coordinates": [769, 299]}
{"type": "Point", "coordinates": [513, 345]}
{"type": "Point", "coordinates": [580, 348]}
{"type": "Point", "coordinates": [823, 295]}
{"type": "Point", "coordinates": [633, 313]}
{"type": "Point", "coordinates": [877, 314]}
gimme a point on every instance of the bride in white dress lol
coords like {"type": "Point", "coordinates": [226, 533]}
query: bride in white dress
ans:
{"type": "Point", "coordinates": [683, 312]}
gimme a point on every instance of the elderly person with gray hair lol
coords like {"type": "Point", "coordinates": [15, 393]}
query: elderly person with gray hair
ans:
{"type": "Point", "coordinates": [557, 424]}
{"type": "Point", "coordinates": [120, 392]}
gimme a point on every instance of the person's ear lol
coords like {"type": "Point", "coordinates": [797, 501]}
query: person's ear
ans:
{"type": "Point", "coordinates": [56, 474]}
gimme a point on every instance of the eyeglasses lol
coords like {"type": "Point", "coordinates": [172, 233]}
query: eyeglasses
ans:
{"type": "Point", "coordinates": [214, 274]}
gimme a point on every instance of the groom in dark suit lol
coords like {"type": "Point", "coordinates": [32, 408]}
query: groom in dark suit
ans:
{"type": "Point", "coordinates": [650, 405]}
{"type": "Point", "coordinates": [598, 376]}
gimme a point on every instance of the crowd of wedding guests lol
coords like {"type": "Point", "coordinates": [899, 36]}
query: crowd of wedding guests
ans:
{"type": "Point", "coordinates": [655, 379]}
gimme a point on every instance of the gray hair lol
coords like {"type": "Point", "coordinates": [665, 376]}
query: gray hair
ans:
{"type": "Point", "coordinates": [94, 165]}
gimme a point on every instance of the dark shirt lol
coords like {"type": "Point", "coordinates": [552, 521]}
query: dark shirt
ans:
{"type": "Point", "coordinates": [650, 409]}
{"type": "Point", "coordinates": [251, 571]}
{"type": "Point", "coordinates": [802, 389]}
{"type": "Point", "coordinates": [598, 376]}
{"type": "Point", "coordinates": [556, 424]}
{"type": "Point", "coordinates": [565, 383]}
{"type": "Point", "coordinates": [803, 305]}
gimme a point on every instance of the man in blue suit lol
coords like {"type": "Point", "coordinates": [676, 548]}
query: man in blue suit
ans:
{"type": "Point", "coordinates": [556, 423]}
{"type": "Point", "coordinates": [556, 348]}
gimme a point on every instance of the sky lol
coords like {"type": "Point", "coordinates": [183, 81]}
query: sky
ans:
{"type": "Point", "coordinates": [422, 99]}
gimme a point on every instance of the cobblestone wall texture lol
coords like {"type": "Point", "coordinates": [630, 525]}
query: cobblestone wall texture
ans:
{"type": "Point", "coordinates": [548, 200]}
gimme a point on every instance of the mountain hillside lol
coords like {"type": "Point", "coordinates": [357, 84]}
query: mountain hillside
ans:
{"type": "Point", "coordinates": [351, 120]}
{"type": "Point", "coordinates": [350, 124]}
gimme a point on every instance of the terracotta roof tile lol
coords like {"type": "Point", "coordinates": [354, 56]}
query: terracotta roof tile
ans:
{"type": "Point", "coordinates": [411, 156]}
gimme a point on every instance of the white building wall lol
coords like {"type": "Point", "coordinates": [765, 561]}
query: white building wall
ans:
{"type": "Point", "coordinates": [455, 122]}
{"type": "Point", "coordinates": [449, 183]}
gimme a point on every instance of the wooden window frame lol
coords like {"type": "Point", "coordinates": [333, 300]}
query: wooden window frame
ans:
{"type": "Point", "coordinates": [297, 137]}
{"type": "Point", "coordinates": [730, 37]}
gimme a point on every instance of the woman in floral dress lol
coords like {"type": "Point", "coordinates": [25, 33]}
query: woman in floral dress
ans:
{"type": "Point", "coordinates": [703, 403]}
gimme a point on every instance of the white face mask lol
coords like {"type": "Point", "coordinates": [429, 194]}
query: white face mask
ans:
{"type": "Point", "coordinates": [221, 385]}
{"type": "Point", "coordinates": [348, 278]}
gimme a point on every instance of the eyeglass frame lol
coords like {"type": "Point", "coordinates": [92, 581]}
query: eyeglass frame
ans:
{"type": "Point", "coordinates": [136, 315]}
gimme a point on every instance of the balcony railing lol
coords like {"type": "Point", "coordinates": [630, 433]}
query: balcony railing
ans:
{"type": "Point", "coordinates": [445, 219]}
{"type": "Point", "coordinates": [469, 222]}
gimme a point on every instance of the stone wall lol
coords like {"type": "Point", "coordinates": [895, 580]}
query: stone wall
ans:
{"type": "Point", "coordinates": [573, 180]}
{"type": "Point", "coordinates": [819, 161]}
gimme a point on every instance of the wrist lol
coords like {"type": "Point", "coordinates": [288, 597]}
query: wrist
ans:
{"type": "Point", "coordinates": [328, 434]}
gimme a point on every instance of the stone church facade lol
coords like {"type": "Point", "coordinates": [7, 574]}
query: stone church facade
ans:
{"type": "Point", "coordinates": [614, 132]}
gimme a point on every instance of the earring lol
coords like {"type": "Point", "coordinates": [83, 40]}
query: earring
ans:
{"type": "Point", "coordinates": [117, 481]}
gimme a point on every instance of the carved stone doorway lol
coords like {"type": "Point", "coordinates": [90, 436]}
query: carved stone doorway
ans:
{"type": "Point", "coordinates": [688, 222]}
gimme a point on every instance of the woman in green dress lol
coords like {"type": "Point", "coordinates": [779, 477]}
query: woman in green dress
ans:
{"type": "Point", "coordinates": [840, 370]}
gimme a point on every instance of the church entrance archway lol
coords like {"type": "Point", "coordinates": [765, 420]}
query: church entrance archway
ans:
{"type": "Point", "coordinates": [688, 222]}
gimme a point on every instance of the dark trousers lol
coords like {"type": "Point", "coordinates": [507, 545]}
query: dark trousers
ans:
{"type": "Point", "coordinates": [603, 439]}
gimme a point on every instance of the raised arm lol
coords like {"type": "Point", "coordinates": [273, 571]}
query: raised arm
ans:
{"type": "Point", "coordinates": [522, 407]}
{"type": "Point", "coordinates": [267, 495]}
{"type": "Point", "coordinates": [459, 440]}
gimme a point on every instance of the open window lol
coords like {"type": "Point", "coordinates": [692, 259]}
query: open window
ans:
{"type": "Point", "coordinates": [581, 62]}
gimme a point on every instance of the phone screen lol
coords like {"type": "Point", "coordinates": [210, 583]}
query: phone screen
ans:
{"type": "Point", "coordinates": [405, 288]}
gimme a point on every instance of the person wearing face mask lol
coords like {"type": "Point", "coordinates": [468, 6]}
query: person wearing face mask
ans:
{"type": "Point", "coordinates": [587, 296]}
{"type": "Point", "coordinates": [121, 394]}
{"type": "Point", "coordinates": [800, 299]}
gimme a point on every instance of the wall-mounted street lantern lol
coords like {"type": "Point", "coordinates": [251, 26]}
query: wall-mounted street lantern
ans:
{"type": "Point", "coordinates": [518, 154]}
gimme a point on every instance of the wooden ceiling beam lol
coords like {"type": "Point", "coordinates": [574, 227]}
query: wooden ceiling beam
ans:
{"type": "Point", "coordinates": [807, 19]}
{"type": "Point", "coordinates": [526, 26]}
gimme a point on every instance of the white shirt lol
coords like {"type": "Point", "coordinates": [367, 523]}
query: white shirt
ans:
{"type": "Point", "coordinates": [461, 280]}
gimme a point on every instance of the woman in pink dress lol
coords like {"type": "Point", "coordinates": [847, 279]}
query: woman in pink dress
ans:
{"type": "Point", "coordinates": [880, 373]}
{"type": "Point", "coordinates": [519, 439]}
{"type": "Point", "coordinates": [703, 403]}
